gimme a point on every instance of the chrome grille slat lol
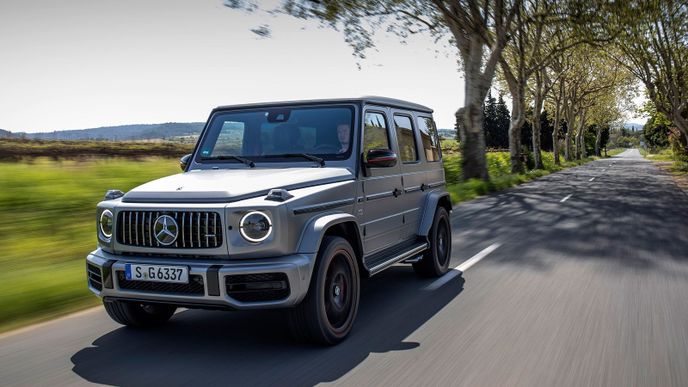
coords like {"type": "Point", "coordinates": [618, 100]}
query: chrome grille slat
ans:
{"type": "Point", "coordinates": [135, 228]}
{"type": "Point", "coordinates": [150, 228]}
{"type": "Point", "coordinates": [183, 230]}
{"type": "Point", "coordinates": [198, 229]}
{"type": "Point", "coordinates": [130, 240]}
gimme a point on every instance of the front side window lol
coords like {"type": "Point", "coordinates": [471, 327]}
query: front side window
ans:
{"type": "Point", "coordinates": [270, 134]}
{"type": "Point", "coordinates": [407, 141]}
{"type": "Point", "coordinates": [429, 138]}
{"type": "Point", "coordinates": [375, 135]}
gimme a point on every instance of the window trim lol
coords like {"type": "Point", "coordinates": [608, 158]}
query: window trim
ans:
{"type": "Point", "coordinates": [439, 142]}
{"type": "Point", "coordinates": [207, 128]}
{"type": "Point", "coordinates": [413, 132]}
{"type": "Point", "coordinates": [363, 130]}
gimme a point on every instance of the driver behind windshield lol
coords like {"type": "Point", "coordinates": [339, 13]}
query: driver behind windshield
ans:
{"type": "Point", "coordinates": [343, 131]}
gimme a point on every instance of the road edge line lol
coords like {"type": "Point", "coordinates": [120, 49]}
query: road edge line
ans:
{"type": "Point", "coordinates": [462, 267]}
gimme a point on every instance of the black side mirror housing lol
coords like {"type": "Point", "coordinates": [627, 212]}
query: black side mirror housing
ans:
{"type": "Point", "coordinates": [380, 158]}
{"type": "Point", "coordinates": [184, 161]}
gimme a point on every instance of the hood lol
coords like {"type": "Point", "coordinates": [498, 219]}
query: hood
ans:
{"type": "Point", "coordinates": [228, 185]}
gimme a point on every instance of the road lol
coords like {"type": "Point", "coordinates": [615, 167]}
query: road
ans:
{"type": "Point", "coordinates": [591, 290]}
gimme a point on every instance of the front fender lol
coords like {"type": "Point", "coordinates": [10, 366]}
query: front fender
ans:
{"type": "Point", "coordinates": [313, 232]}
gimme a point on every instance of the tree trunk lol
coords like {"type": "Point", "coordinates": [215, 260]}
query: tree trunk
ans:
{"type": "Point", "coordinates": [570, 118]}
{"type": "Point", "coordinates": [598, 141]}
{"type": "Point", "coordinates": [581, 134]}
{"type": "Point", "coordinates": [473, 160]}
{"type": "Point", "coordinates": [555, 132]}
{"type": "Point", "coordinates": [515, 125]}
{"type": "Point", "coordinates": [538, 100]}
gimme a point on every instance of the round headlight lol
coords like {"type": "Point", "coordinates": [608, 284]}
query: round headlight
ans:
{"type": "Point", "coordinates": [105, 223]}
{"type": "Point", "coordinates": [255, 226]}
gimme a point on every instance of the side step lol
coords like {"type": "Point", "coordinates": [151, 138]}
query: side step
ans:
{"type": "Point", "coordinates": [380, 261]}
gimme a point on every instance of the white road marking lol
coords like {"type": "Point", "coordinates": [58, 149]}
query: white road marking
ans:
{"type": "Point", "coordinates": [604, 169]}
{"type": "Point", "coordinates": [592, 178]}
{"type": "Point", "coordinates": [465, 265]}
{"type": "Point", "coordinates": [566, 198]}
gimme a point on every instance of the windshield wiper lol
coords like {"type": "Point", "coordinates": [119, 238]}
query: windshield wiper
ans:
{"type": "Point", "coordinates": [231, 157]}
{"type": "Point", "coordinates": [307, 156]}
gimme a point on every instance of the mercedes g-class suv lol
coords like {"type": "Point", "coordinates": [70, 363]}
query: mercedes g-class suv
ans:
{"type": "Point", "coordinates": [281, 205]}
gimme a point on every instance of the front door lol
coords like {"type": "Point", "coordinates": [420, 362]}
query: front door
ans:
{"type": "Point", "coordinates": [380, 188]}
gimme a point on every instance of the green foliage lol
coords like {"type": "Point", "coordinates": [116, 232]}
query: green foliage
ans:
{"type": "Point", "coordinates": [679, 147]}
{"type": "Point", "coordinates": [656, 130]}
{"type": "Point", "coordinates": [496, 123]}
{"type": "Point", "coordinates": [47, 227]}
{"type": "Point", "coordinates": [499, 167]}
{"type": "Point", "coordinates": [16, 149]}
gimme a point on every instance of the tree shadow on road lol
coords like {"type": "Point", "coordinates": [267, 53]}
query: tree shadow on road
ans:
{"type": "Point", "coordinates": [631, 219]}
{"type": "Point", "coordinates": [255, 348]}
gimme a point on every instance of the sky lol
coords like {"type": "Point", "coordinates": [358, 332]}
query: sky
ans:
{"type": "Point", "coordinates": [75, 64]}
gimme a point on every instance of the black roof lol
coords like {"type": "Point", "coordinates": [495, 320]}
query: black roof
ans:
{"type": "Point", "coordinates": [373, 100]}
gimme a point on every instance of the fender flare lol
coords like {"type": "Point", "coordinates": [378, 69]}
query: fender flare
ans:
{"type": "Point", "coordinates": [431, 202]}
{"type": "Point", "coordinates": [313, 232]}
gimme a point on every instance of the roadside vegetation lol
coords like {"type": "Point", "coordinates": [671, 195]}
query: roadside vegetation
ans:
{"type": "Point", "coordinates": [16, 149]}
{"type": "Point", "coordinates": [665, 145]}
{"type": "Point", "coordinates": [47, 226]}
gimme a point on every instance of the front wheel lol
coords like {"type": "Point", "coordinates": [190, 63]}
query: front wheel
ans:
{"type": "Point", "coordinates": [327, 314]}
{"type": "Point", "coordinates": [435, 261]}
{"type": "Point", "coordinates": [136, 314]}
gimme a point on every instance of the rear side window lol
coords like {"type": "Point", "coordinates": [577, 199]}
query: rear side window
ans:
{"type": "Point", "coordinates": [430, 139]}
{"type": "Point", "coordinates": [407, 141]}
{"type": "Point", "coordinates": [375, 135]}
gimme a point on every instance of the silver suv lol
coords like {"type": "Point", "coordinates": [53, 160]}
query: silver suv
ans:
{"type": "Point", "coordinates": [281, 205]}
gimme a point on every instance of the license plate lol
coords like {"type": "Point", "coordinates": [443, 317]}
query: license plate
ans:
{"type": "Point", "coordinates": [157, 273]}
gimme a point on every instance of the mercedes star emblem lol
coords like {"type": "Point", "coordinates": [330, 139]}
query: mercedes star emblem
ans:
{"type": "Point", "coordinates": [165, 230]}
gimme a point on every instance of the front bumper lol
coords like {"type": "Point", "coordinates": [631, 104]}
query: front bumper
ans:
{"type": "Point", "coordinates": [214, 274]}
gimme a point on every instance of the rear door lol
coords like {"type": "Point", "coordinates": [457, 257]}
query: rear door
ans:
{"type": "Point", "coordinates": [413, 170]}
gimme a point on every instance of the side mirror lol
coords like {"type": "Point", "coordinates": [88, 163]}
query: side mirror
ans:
{"type": "Point", "coordinates": [184, 161]}
{"type": "Point", "coordinates": [380, 158]}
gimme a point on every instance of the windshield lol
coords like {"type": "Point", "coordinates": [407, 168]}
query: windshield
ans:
{"type": "Point", "coordinates": [277, 134]}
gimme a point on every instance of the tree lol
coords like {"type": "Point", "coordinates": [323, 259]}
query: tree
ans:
{"type": "Point", "coordinates": [479, 30]}
{"type": "Point", "coordinates": [503, 118]}
{"type": "Point", "coordinates": [653, 45]}
{"type": "Point", "coordinates": [656, 130]}
{"type": "Point", "coordinates": [490, 122]}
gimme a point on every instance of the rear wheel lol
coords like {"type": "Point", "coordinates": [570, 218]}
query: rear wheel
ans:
{"type": "Point", "coordinates": [435, 261]}
{"type": "Point", "coordinates": [327, 314]}
{"type": "Point", "coordinates": [136, 314]}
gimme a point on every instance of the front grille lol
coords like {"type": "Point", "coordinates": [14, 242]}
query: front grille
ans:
{"type": "Point", "coordinates": [194, 287]}
{"type": "Point", "coordinates": [195, 229]}
{"type": "Point", "coordinates": [95, 278]}
{"type": "Point", "coordinates": [257, 287]}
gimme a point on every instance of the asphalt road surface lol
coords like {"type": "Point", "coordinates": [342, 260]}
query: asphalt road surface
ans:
{"type": "Point", "coordinates": [591, 290]}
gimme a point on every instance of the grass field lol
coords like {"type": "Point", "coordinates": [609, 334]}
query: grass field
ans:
{"type": "Point", "coordinates": [47, 223]}
{"type": "Point", "coordinates": [47, 226]}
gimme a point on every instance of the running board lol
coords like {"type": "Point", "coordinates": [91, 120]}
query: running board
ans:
{"type": "Point", "coordinates": [375, 266]}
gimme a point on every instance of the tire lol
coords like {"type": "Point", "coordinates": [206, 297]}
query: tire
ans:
{"type": "Point", "coordinates": [139, 315]}
{"type": "Point", "coordinates": [435, 261]}
{"type": "Point", "coordinates": [327, 313]}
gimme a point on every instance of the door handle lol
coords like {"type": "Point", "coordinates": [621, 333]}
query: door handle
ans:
{"type": "Point", "coordinates": [396, 192]}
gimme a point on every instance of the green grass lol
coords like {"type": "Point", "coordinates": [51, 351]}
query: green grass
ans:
{"type": "Point", "coordinates": [499, 169]}
{"type": "Point", "coordinates": [47, 227]}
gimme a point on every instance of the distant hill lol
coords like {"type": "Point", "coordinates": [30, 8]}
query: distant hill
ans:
{"type": "Point", "coordinates": [633, 126]}
{"type": "Point", "coordinates": [447, 133]}
{"type": "Point", "coordinates": [118, 133]}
